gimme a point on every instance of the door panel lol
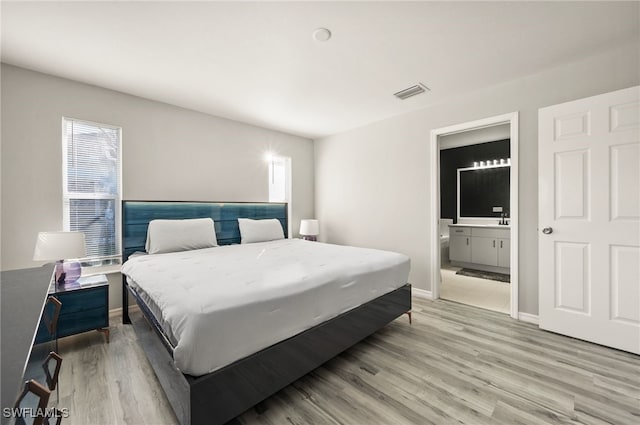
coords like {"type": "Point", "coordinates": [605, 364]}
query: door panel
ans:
{"type": "Point", "coordinates": [572, 280]}
{"type": "Point", "coordinates": [625, 117]}
{"type": "Point", "coordinates": [572, 125]}
{"type": "Point", "coordinates": [589, 207]}
{"type": "Point", "coordinates": [572, 185]}
{"type": "Point", "coordinates": [625, 275]}
{"type": "Point", "coordinates": [625, 175]}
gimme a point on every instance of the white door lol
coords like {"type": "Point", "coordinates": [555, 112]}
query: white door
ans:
{"type": "Point", "coordinates": [589, 219]}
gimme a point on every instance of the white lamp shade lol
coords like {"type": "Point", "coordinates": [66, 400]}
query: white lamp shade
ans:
{"type": "Point", "coordinates": [309, 228]}
{"type": "Point", "coordinates": [59, 246]}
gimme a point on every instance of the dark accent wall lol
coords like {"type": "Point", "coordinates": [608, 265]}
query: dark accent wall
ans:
{"type": "Point", "coordinates": [462, 157]}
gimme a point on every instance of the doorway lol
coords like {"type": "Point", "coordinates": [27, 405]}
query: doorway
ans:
{"type": "Point", "coordinates": [483, 232]}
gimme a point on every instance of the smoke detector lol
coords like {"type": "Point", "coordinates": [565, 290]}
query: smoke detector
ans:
{"type": "Point", "coordinates": [321, 34]}
{"type": "Point", "coordinates": [411, 91]}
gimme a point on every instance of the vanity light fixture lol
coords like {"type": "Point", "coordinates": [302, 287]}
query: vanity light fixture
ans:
{"type": "Point", "coordinates": [492, 163]}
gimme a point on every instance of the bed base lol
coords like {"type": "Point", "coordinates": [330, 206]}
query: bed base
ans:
{"type": "Point", "coordinates": [224, 394]}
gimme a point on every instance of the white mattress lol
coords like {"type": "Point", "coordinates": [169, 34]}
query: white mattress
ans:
{"type": "Point", "coordinates": [221, 304]}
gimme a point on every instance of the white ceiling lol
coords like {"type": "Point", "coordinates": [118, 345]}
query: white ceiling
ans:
{"type": "Point", "coordinates": [257, 62]}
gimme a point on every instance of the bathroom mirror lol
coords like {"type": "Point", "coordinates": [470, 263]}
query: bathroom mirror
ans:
{"type": "Point", "coordinates": [480, 189]}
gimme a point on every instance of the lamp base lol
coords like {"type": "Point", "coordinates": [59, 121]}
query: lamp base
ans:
{"type": "Point", "coordinates": [67, 272]}
{"type": "Point", "coordinates": [309, 238]}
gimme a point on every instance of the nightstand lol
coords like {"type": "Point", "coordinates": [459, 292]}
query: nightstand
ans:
{"type": "Point", "coordinates": [85, 307]}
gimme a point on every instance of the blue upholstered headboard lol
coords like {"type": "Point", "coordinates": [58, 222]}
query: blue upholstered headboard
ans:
{"type": "Point", "coordinates": [136, 216]}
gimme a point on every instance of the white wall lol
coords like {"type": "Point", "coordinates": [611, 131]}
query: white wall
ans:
{"type": "Point", "coordinates": [372, 183]}
{"type": "Point", "coordinates": [169, 153]}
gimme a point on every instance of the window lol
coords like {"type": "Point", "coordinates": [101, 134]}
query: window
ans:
{"type": "Point", "coordinates": [278, 179]}
{"type": "Point", "coordinates": [91, 187]}
{"type": "Point", "coordinates": [280, 182]}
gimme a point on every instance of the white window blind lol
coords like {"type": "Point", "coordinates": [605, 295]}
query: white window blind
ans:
{"type": "Point", "coordinates": [91, 187]}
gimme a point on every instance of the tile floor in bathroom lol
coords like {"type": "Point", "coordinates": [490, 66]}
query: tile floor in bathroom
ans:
{"type": "Point", "coordinates": [483, 293]}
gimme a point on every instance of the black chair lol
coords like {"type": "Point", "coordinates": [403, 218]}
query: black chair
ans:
{"type": "Point", "coordinates": [39, 413]}
{"type": "Point", "coordinates": [50, 316]}
{"type": "Point", "coordinates": [52, 374]}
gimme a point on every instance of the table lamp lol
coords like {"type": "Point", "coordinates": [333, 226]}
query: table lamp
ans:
{"type": "Point", "coordinates": [309, 229]}
{"type": "Point", "coordinates": [59, 246]}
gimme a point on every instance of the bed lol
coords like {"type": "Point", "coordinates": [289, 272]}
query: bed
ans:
{"type": "Point", "coordinates": [310, 309]}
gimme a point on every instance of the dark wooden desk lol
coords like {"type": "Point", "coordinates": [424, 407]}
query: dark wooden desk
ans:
{"type": "Point", "coordinates": [22, 297]}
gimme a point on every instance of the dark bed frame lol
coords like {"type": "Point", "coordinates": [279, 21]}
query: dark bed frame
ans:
{"type": "Point", "coordinates": [222, 395]}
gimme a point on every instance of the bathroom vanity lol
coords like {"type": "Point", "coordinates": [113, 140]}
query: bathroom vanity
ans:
{"type": "Point", "coordinates": [480, 246]}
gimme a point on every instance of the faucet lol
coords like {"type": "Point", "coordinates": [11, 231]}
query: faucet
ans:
{"type": "Point", "coordinates": [503, 219]}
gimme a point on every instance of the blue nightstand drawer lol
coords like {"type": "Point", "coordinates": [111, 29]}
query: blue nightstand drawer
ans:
{"type": "Point", "coordinates": [85, 307]}
{"type": "Point", "coordinates": [86, 299]}
{"type": "Point", "coordinates": [87, 320]}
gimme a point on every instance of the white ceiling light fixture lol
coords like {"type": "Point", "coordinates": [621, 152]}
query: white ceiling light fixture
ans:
{"type": "Point", "coordinates": [321, 34]}
{"type": "Point", "coordinates": [411, 91]}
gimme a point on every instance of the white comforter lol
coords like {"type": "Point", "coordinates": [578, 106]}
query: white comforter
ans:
{"type": "Point", "coordinates": [222, 304]}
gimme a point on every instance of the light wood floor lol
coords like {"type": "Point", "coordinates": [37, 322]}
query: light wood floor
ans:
{"type": "Point", "coordinates": [455, 364]}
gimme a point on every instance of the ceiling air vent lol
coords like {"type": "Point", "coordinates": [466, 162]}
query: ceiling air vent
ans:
{"type": "Point", "coordinates": [411, 91]}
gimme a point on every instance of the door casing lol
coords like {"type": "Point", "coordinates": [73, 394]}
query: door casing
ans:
{"type": "Point", "coordinates": [512, 120]}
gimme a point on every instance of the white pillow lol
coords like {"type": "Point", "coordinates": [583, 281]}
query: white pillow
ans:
{"type": "Point", "coordinates": [180, 235]}
{"type": "Point", "coordinates": [260, 230]}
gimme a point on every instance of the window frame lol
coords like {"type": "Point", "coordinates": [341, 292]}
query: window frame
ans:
{"type": "Point", "coordinates": [101, 261]}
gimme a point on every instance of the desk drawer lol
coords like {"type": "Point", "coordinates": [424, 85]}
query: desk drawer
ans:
{"type": "Point", "coordinates": [86, 299]}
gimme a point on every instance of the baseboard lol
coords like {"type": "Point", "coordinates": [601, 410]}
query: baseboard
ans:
{"type": "Point", "coordinates": [421, 293]}
{"type": "Point", "coordinates": [117, 312]}
{"type": "Point", "coordinates": [529, 318]}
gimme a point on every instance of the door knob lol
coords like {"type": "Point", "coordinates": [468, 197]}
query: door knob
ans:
{"type": "Point", "coordinates": [547, 230]}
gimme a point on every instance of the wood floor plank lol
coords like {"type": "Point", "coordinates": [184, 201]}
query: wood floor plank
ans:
{"type": "Point", "coordinates": [472, 367]}
{"type": "Point", "coordinates": [455, 365]}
